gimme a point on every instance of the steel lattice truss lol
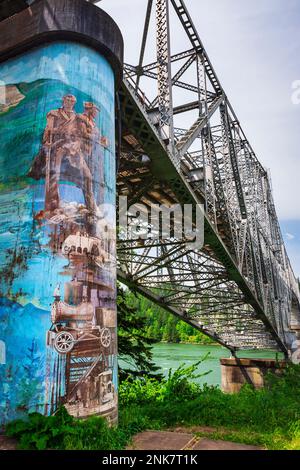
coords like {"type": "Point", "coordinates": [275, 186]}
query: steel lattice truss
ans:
{"type": "Point", "coordinates": [239, 288]}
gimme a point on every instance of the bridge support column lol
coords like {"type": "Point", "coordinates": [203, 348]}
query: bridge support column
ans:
{"type": "Point", "coordinates": [295, 347]}
{"type": "Point", "coordinates": [236, 372]}
{"type": "Point", "coordinates": [60, 64]}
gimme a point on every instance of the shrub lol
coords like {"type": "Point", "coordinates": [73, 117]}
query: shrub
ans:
{"type": "Point", "coordinates": [64, 432]}
{"type": "Point", "coordinates": [268, 417]}
{"type": "Point", "coordinates": [178, 386]}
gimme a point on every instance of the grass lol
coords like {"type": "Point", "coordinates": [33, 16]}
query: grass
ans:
{"type": "Point", "coordinates": [269, 418]}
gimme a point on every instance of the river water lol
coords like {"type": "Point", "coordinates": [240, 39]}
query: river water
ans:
{"type": "Point", "coordinates": [168, 356]}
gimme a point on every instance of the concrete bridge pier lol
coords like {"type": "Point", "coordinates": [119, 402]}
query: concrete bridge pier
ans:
{"type": "Point", "coordinates": [236, 372]}
{"type": "Point", "coordinates": [295, 347]}
{"type": "Point", "coordinates": [60, 67]}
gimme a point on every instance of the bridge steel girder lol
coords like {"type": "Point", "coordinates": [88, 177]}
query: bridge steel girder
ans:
{"type": "Point", "coordinates": [164, 168]}
{"type": "Point", "coordinates": [165, 103]}
{"type": "Point", "coordinates": [240, 288]}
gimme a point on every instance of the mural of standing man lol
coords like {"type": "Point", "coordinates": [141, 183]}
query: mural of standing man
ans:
{"type": "Point", "coordinates": [71, 150]}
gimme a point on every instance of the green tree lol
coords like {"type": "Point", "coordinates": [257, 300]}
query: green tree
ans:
{"type": "Point", "coordinates": [159, 325]}
{"type": "Point", "coordinates": [133, 341]}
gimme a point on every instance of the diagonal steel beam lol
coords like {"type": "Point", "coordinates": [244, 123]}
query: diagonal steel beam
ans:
{"type": "Point", "coordinates": [179, 313]}
{"type": "Point", "coordinates": [173, 58]}
{"type": "Point", "coordinates": [192, 33]}
{"type": "Point", "coordinates": [186, 141]}
{"type": "Point", "coordinates": [177, 76]}
{"type": "Point", "coordinates": [144, 42]}
{"type": "Point", "coordinates": [234, 161]}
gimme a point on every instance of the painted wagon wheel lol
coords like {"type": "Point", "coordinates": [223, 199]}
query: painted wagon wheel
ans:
{"type": "Point", "coordinates": [64, 342]}
{"type": "Point", "coordinates": [105, 337]}
{"type": "Point", "coordinates": [67, 250]}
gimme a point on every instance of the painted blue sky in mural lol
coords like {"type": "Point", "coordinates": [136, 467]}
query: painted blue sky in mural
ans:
{"type": "Point", "coordinates": [87, 71]}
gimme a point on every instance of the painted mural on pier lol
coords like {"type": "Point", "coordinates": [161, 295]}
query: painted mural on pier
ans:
{"type": "Point", "coordinates": [57, 233]}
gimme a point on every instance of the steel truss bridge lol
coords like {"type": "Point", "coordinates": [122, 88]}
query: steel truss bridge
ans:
{"type": "Point", "coordinates": [239, 289]}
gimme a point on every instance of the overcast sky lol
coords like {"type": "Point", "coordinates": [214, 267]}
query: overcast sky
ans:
{"type": "Point", "coordinates": [255, 49]}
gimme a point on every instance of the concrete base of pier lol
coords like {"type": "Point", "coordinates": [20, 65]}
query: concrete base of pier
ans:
{"type": "Point", "coordinates": [236, 372]}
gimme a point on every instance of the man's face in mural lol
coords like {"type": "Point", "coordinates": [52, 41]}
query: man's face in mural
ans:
{"type": "Point", "coordinates": [91, 110]}
{"type": "Point", "coordinates": [95, 112]}
{"type": "Point", "coordinates": [69, 102]}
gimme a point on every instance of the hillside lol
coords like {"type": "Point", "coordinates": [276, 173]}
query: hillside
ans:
{"type": "Point", "coordinates": [163, 326]}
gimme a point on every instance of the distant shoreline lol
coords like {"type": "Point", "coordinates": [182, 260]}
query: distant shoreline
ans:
{"type": "Point", "coordinates": [183, 342]}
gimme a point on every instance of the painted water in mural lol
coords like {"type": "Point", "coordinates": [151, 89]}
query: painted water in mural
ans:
{"type": "Point", "coordinates": [57, 234]}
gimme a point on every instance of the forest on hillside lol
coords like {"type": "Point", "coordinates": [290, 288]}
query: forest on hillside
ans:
{"type": "Point", "coordinates": [163, 326]}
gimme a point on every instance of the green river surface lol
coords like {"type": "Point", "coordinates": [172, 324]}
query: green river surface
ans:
{"type": "Point", "coordinates": [167, 356]}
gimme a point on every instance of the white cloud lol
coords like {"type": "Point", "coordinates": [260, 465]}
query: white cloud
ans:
{"type": "Point", "coordinates": [289, 236]}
